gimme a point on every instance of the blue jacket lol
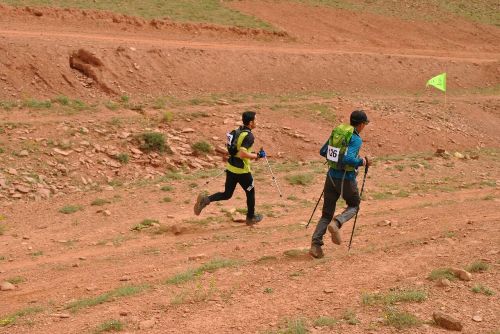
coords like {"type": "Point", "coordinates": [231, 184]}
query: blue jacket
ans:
{"type": "Point", "coordinates": [351, 158]}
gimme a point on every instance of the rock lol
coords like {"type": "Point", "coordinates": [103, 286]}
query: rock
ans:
{"type": "Point", "coordinates": [187, 130]}
{"type": "Point", "coordinates": [123, 313]}
{"type": "Point", "coordinates": [6, 286]}
{"type": "Point", "coordinates": [23, 153]}
{"type": "Point", "coordinates": [125, 278]}
{"type": "Point", "coordinates": [447, 321]}
{"type": "Point", "coordinates": [444, 282]}
{"type": "Point", "coordinates": [44, 193]}
{"type": "Point", "coordinates": [477, 318]}
{"type": "Point", "coordinates": [146, 324]}
{"type": "Point", "coordinates": [176, 229]}
{"type": "Point", "coordinates": [384, 223]}
{"type": "Point", "coordinates": [12, 171]}
{"type": "Point", "coordinates": [462, 274]}
{"type": "Point", "coordinates": [328, 291]}
{"type": "Point", "coordinates": [60, 315]}
{"type": "Point", "coordinates": [197, 257]}
{"type": "Point", "coordinates": [135, 151]}
{"type": "Point", "coordinates": [62, 152]}
{"type": "Point", "coordinates": [239, 217]}
{"type": "Point", "coordinates": [23, 189]}
{"type": "Point", "coordinates": [458, 155]}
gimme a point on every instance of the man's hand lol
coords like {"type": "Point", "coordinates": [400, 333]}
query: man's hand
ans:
{"type": "Point", "coordinates": [261, 154]}
{"type": "Point", "coordinates": [367, 162]}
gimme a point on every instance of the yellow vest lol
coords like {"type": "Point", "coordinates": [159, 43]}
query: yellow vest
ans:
{"type": "Point", "coordinates": [246, 162]}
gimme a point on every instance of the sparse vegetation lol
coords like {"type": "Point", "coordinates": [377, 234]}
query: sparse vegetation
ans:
{"type": "Point", "coordinates": [68, 209]}
{"type": "Point", "coordinates": [167, 199]}
{"type": "Point", "coordinates": [154, 141]}
{"type": "Point", "coordinates": [167, 188]}
{"type": "Point", "coordinates": [109, 326]}
{"type": "Point", "coordinates": [123, 158]}
{"type": "Point", "coordinates": [477, 267]}
{"type": "Point", "coordinates": [36, 104]}
{"type": "Point", "coordinates": [2, 229]}
{"type": "Point", "coordinates": [442, 273]}
{"type": "Point", "coordinates": [167, 116]}
{"type": "Point", "coordinates": [401, 319]}
{"type": "Point", "coordinates": [123, 291]}
{"type": "Point", "coordinates": [11, 318]}
{"type": "Point", "coordinates": [302, 179]}
{"type": "Point", "coordinates": [396, 296]}
{"type": "Point", "coordinates": [479, 288]}
{"type": "Point", "coordinates": [202, 147]}
{"type": "Point", "coordinates": [211, 266]}
{"type": "Point", "coordinates": [325, 322]}
{"type": "Point", "coordinates": [146, 223]}
{"type": "Point", "coordinates": [350, 317]}
{"type": "Point", "coordinates": [16, 280]}
{"type": "Point", "coordinates": [100, 202]}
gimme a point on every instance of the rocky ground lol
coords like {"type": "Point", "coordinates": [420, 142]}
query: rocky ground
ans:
{"type": "Point", "coordinates": [100, 165]}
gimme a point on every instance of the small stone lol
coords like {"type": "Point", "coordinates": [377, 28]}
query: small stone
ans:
{"type": "Point", "coordinates": [328, 290]}
{"type": "Point", "coordinates": [239, 217]}
{"type": "Point", "coordinates": [60, 315]}
{"type": "Point", "coordinates": [125, 278]}
{"type": "Point", "coordinates": [477, 318]}
{"type": "Point", "coordinates": [6, 286]}
{"type": "Point", "coordinates": [187, 130]}
{"type": "Point", "coordinates": [444, 282]}
{"type": "Point", "coordinates": [447, 321]}
{"type": "Point", "coordinates": [23, 153]}
{"type": "Point", "coordinates": [106, 212]}
{"type": "Point", "coordinates": [123, 313]}
{"type": "Point", "coordinates": [62, 152]}
{"type": "Point", "coordinates": [462, 274]}
{"type": "Point", "coordinates": [146, 324]}
{"type": "Point", "coordinates": [197, 257]}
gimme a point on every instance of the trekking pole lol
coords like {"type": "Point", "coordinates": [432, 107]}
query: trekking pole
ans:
{"type": "Point", "coordinates": [214, 177]}
{"type": "Point", "coordinates": [312, 214]}
{"type": "Point", "coordinates": [356, 218]}
{"type": "Point", "coordinates": [274, 178]}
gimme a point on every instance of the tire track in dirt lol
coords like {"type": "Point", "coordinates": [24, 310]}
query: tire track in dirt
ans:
{"type": "Point", "coordinates": [411, 54]}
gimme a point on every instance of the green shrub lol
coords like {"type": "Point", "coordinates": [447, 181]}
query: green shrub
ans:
{"type": "Point", "coordinates": [477, 266]}
{"type": "Point", "coordinates": [442, 273]}
{"type": "Point", "coordinates": [401, 319]}
{"type": "Point", "coordinates": [109, 326]}
{"type": "Point", "coordinates": [302, 179]}
{"type": "Point", "coordinates": [153, 141]}
{"type": "Point", "coordinates": [167, 116]}
{"type": "Point", "coordinates": [123, 158]}
{"type": "Point", "coordinates": [201, 147]}
{"type": "Point", "coordinates": [100, 202]}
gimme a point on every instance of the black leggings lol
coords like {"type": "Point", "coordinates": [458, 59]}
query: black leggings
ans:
{"type": "Point", "coordinates": [246, 182]}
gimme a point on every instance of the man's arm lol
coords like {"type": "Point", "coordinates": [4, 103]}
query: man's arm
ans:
{"type": "Point", "coordinates": [352, 158]}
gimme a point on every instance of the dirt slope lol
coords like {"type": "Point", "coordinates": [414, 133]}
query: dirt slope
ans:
{"type": "Point", "coordinates": [137, 58]}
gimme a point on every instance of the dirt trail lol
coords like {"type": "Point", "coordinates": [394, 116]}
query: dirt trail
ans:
{"type": "Point", "coordinates": [76, 184]}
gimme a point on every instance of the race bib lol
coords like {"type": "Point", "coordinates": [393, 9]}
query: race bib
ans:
{"type": "Point", "coordinates": [229, 137]}
{"type": "Point", "coordinates": [333, 153]}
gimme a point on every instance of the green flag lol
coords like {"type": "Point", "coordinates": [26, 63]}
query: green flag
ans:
{"type": "Point", "coordinates": [439, 81]}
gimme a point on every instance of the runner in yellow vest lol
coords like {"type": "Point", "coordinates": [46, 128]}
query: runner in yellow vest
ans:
{"type": "Point", "coordinates": [238, 170]}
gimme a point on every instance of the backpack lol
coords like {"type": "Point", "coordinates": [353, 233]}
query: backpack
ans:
{"type": "Point", "coordinates": [232, 140]}
{"type": "Point", "coordinates": [337, 146]}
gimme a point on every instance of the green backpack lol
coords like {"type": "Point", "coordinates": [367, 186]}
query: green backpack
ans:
{"type": "Point", "coordinates": [337, 147]}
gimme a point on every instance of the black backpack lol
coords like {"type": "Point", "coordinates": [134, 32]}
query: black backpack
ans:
{"type": "Point", "coordinates": [232, 140]}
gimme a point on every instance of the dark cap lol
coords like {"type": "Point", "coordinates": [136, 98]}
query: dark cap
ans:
{"type": "Point", "coordinates": [358, 117]}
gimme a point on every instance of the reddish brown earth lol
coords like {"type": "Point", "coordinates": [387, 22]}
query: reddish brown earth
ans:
{"type": "Point", "coordinates": [421, 211]}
